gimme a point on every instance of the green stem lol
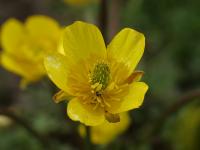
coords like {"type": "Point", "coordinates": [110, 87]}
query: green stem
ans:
{"type": "Point", "coordinates": [88, 144]}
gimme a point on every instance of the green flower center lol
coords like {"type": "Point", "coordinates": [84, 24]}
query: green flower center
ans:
{"type": "Point", "coordinates": [101, 75]}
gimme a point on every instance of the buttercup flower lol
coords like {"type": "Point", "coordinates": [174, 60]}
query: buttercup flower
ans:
{"type": "Point", "coordinates": [106, 132]}
{"type": "Point", "coordinates": [78, 2]}
{"type": "Point", "coordinates": [25, 45]}
{"type": "Point", "coordinates": [100, 82]}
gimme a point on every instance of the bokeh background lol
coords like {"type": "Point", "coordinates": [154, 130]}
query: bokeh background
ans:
{"type": "Point", "coordinates": [170, 116]}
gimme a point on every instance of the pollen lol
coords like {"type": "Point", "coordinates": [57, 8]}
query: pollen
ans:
{"type": "Point", "coordinates": [100, 76]}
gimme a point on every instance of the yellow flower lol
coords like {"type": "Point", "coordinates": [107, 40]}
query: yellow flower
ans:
{"type": "Point", "coordinates": [100, 82]}
{"type": "Point", "coordinates": [106, 132]}
{"type": "Point", "coordinates": [25, 45]}
{"type": "Point", "coordinates": [78, 2]}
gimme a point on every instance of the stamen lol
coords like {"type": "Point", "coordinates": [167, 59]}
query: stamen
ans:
{"type": "Point", "coordinates": [111, 86]}
{"type": "Point", "coordinates": [106, 103]}
{"type": "Point", "coordinates": [96, 105]}
{"type": "Point", "coordinates": [98, 100]}
{"type": "Point", "coordinates": [115, 99]}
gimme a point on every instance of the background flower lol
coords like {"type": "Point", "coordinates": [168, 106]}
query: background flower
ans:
{"type": "Point", "coordinates": [107, 132]}
{"type": "Point", "coordinates": [186, 123]}
{"type": "Point", "coordinates": [79, 2]}
{"type": "Point", "coordinates": [25, 45]}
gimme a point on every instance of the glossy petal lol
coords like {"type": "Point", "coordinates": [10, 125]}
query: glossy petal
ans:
{"type": "Point", "coordinates": [42, 26]}
{"type": "Point", "coordinates": [12, 35]}
{"type": "Point", "coordinates": [127, 47]}
{"type": "Point", "coordinates": [84, 113]}
{"type": "Point", "coordinates": [132, 100]}
{"type": "Point", "coordinates": [83, 40]}
{"type": "Point", "coordinates": [57, 67]}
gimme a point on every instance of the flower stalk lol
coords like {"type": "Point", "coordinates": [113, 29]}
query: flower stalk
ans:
{"type": "Point", "coordinates": [88, 143]}
{"type": "Point", "coordinates": [103, 19]}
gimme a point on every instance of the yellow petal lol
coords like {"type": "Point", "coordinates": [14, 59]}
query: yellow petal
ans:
{"type": "Point", "coordinates": [43, 26]}
{"type": "Point", "coordinates": [61, 96]}
{"type": "Point", "coordinates": [132, 100]}
{"type": "Point", "coordinates": [12, 35]}
{"type": "Point", "coordinates": [82, 40]}
{"type": "Point", "coordinates": [84, 113]}
{"type": "Point", "coordinates": [127, 47]}
{"type": "Point", "coordinates": [9, 63]}
{"type": "Point", "coordinates": [21, 67]}
{"type": "Point", "coordinates": [57, 67]}
{"type": "Point", "coordinates": [60, 46]}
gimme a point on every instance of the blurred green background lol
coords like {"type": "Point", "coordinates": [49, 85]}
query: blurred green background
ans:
{"type": "Point", "coordinates": [172, 69]}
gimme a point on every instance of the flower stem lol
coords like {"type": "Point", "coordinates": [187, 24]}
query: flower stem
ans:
{"type": "Point", "coordinates": [88, 144]}
{"type": "Point", "coordinates": [103, 19]}
{"type": "Point", "coordinates": [114, 17]}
